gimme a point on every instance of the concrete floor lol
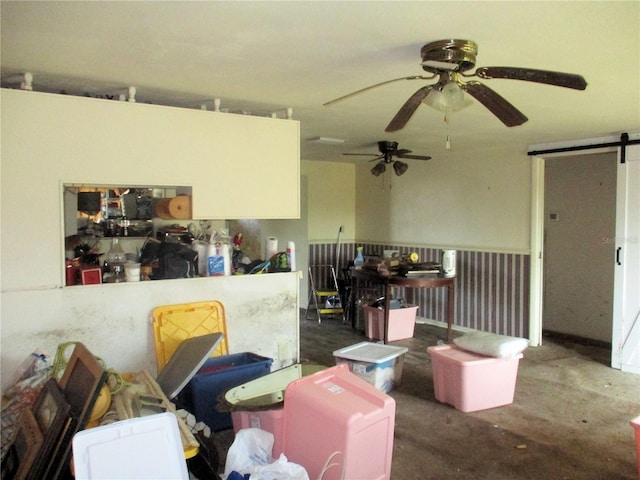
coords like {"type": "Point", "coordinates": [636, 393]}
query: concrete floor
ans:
{"type": "Point", "coordinates": [569, 419]}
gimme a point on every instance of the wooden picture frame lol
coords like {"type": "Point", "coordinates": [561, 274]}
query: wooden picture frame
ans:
{"type": "Point", "coordinates": [24, 448]}
{"type": "Point", "coordinates": [81, 381]}
{"type": "Point", "coordinates": [51, 412]}
{"type": "Point", "coordinates": [51, 409]}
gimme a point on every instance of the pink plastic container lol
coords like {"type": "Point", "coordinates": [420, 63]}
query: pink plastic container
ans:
{"type": "Point", "coordinates": [472, 382]}
{"type": "Point", "coordinates": [269, 420]}
{"type": "Point", "coordinates": [402, 322]}
{"type": "Point", "coordinates": [635, 423]}
{"type": "Point", "coordinates": [336, 411]}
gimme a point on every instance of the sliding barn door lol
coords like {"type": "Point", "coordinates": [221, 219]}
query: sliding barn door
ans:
{"type": "Point", "coordinates": [625, 353]}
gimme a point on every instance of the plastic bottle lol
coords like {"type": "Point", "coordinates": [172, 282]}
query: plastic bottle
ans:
{"type": "Point", "coordinates": [115, 261]}
{"type": "Point", "coordinates": [215, 262]}
{"type": "Point", "coordinates": [359, 260]}
{"type": "Point", "coordinates": [291, 256]}
{"type": "Point", "coordinates": [116, 253]}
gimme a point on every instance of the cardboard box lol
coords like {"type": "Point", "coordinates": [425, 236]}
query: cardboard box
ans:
{"type": "Point", "coordinates": [402, 322]}
{"type": "Point", "coordinates": [333, 416]}
{"type": "Point", "coordinates": [378, 364]}
{"type": "Point", "coordinates": [472, 382]}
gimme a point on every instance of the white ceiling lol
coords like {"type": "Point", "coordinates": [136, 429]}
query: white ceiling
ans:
{"type": "Point", "coordinates": [265, 57]}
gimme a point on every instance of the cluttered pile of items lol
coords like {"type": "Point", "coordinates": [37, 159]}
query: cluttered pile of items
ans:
{"type": "Point", "coordinates": [175, 252]}
{"type": "Point", "coordinates": [76, 418]}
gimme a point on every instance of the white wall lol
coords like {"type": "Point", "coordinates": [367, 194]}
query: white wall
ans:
{"type": "Point", "coordinates": [331, 200]}
{"type": "Point", "coordinates": [479, 203]}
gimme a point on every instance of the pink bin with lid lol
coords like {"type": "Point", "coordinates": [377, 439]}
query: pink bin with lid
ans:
{"type": "Point", "coordinates": [334, 412]}
{"type": "Point", "coordinates": [472, 382]}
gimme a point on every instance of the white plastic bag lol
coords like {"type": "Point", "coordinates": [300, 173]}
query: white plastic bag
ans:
{"type": "Point", "coordinates": [251, 452]}
{"type": "Point", "coordinates": [281, 469]}
{"type": "Point", "coordinates": [250, 448]}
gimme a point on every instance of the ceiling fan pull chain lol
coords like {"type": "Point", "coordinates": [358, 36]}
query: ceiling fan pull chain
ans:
{"type": "Point", "coordinates": [447, 143]}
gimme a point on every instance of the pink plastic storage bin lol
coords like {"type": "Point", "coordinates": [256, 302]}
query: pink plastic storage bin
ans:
{"type": "Point", "coordinates": [402, 322]}
{"type": "Point", "coordinates": [635, 423]}
{"type": "Point", "coordinates": [269, 420]}
{"type": "Point", "coordinates": [472, 382]}
{"type": "Point", "coordinates": [336, 411]}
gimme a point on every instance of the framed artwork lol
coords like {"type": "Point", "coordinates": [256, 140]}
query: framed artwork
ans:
{"type": "Point", "coordinates": [24, 448]}
{"type": "Point", "coordinates": [51, 412]}
{"type": "Point", "coordinates": [81, 381]}
{"type": "Point", "coordinates": [51, 408]}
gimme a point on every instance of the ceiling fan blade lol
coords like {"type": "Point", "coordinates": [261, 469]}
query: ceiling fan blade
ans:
{"type": "Point", "coordinates": [349, 95]}
{"type": "Point", "coordinates": [507, 113]}
{"type": "Point", "coordinates": [415, 157]}
{"type": "Point", "coordinates": [559, 79]}
{"type": "Point", "coordinates": [408, 109]}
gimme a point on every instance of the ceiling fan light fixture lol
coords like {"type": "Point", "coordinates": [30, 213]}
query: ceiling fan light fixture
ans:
{"type": "Point", "coordinates": [400, 167]}
{"type": "Point", "coordinates": [379, 169]}
{"type": "Point", "coordinates": [447, 98]}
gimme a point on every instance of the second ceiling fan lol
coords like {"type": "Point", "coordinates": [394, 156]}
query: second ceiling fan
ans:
{"type": "Point", "coordinates": [388, 150]}
{"type": "Point", "coordinates": [449, 60]}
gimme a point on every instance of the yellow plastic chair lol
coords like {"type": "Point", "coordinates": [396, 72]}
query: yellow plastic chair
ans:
{"type": "Point", "coordinates": [172, 324]}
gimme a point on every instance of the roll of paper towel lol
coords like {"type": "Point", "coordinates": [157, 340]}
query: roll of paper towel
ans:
{"type": "Point", "coordinates": [271, 247]}
{"type": "Point", "coordinates": [201, 248]}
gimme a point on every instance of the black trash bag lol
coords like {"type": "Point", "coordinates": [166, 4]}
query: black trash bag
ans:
{"type": "Point", "coordinates": [169, 260]}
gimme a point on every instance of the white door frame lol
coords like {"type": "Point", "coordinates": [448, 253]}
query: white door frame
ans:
{"type": "Point", "coordinates": [537, 222]}
{"type": "Point", "coordinates": [536, 275]}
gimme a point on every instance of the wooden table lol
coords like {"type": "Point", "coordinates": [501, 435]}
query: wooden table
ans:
{"type": "Point", "coordinates": [422, 281]}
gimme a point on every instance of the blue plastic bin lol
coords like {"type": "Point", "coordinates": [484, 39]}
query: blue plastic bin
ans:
{"type": "Point", "coordinates": [212, 381]}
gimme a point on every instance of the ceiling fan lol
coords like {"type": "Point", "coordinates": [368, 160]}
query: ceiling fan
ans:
{"type": "Point", "coordinates": [388, 150]}
{"type": "Point", "coordinates": [448, 60]}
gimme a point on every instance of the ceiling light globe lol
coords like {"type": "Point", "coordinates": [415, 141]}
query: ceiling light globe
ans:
{"type": "Point", "coordinates": [452, 95]}
{"type": "Point", "coordinates": [400, 167]}
{"type": "Point", "coordinates": [378, 169]}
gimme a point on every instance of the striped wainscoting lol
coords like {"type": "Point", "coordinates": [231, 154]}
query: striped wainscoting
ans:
{"type": "Point", "coordinates": [492, 289]}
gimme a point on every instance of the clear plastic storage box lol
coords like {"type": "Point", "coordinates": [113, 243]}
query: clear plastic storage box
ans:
{"type": "Point", "coordinates": [376, 363]}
